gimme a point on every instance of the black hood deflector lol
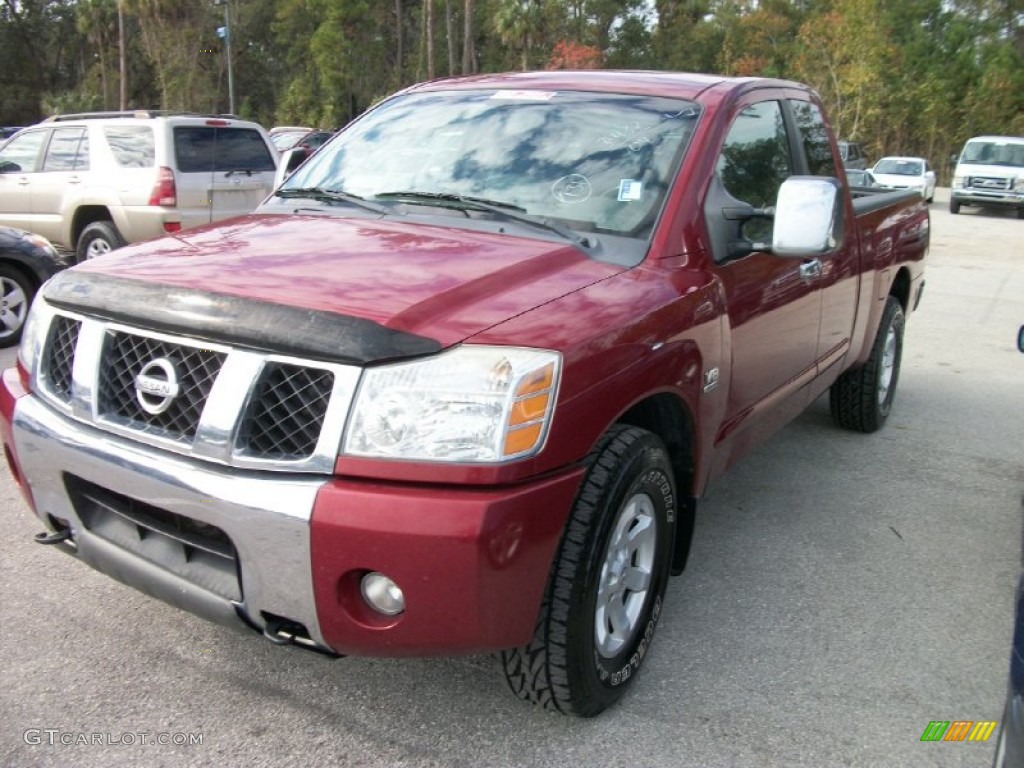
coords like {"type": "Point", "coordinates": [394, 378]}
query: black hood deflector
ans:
{"type": "Point", "coordinates": [235, 320]}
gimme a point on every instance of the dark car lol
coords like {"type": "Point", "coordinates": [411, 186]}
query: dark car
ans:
{"type": "Point", "coordinates": [852, 154]}
{"type": "Point", "coordinates": [306, 139]}
{"type": "Point", "coordinates": [26, 262]}
{"type": "Point", "coordinates": [857, 177]}
{"type": "Point", "coordinates": [1010, 747]}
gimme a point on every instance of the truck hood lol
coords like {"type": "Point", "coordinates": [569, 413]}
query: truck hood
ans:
{"type": "Point", "coordinates": [438, 283]}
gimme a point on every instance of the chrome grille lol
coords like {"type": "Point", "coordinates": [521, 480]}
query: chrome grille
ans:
{"type": "Point", "coordinates": [125, 355]}
{"type": "Point", "coordinates": [988, 182]}
{"type": "Point", "coordinates": [60, 355]}
{"type": "Point", "coordinates": [201, 399]}
{"type": "Point", "coordinates": [287, 411]}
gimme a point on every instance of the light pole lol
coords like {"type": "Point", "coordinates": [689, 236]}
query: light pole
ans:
{"type": "Point", "coordinates": [225, 32]}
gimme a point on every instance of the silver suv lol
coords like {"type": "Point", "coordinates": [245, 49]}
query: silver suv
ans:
{"type": "Point", "coordinates": [93, 182]}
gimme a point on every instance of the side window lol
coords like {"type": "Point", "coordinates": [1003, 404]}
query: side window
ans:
{"type": "Point", "coordinates": [131, 145]}
{"type": "Point", "coordinates": [755, 157]}
{"type": "Point", "coordinates": [21, 155]}
{"type": "Point", "coordinates": [815, 139]}
{"type": "Point", "coordinates": [68, 150]}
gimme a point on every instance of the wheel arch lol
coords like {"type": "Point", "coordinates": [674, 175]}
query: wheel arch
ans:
{"type": "Point", "coordinates": [900, 288]}
{"type": "Point", "coordinates": [23, 270]}
{"type": "Point", "coordinates": [668, 417]}
{"type": "Point", "coordinates": [86, 215]}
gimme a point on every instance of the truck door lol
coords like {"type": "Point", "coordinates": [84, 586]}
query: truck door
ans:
{"type": "Point", "coordinates": [774, 304]}
{"type": "Point", "coordinates": [839, 279]}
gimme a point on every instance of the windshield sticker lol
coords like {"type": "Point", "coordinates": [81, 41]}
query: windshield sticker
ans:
{"type": "Point", "coordinates": [630, 190]}
{"type": "Point", "coordinates": [573, 188]}
{"type": "Point", "coordinates": [525, 95]}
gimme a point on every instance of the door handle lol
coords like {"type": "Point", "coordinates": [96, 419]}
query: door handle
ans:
{"type": "Point", "coordinates": [810, 269]}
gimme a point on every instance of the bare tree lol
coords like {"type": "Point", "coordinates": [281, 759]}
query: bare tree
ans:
{"type": "Point", "coordinates": [400, 39]}
{"type": "Point", "coordinates": [468, 54]}
{"type": "Point", "coordinates": [428, 11]}
{"type": "Point", "coordinates": [450, 36]}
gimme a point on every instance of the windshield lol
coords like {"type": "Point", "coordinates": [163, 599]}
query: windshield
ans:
{"type": "Point", "coordinates": [590, 162]}
{"type": "Point", "coordinates": [994, 153]}
{"type": "Point", "coordinates": [899, 167]}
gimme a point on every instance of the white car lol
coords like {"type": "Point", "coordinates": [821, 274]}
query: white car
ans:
{"type": "Point", "coordinates": [906, 173]}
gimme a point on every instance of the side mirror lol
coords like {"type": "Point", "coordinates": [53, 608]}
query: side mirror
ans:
{"type": "Point", "coordinates": [9, 167]}
{"type": "Point", "coordinates": [807, 216]}
{"type": "Point", "coordinates": [290, 160]}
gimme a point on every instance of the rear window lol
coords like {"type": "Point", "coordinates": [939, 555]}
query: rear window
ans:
{"type": "Point", "coordinates": [206, 149]}
{"type": "Point", "coordinates": [131, 145]}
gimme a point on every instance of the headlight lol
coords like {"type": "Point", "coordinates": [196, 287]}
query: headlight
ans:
{"type": "Point", "coordinates": [958, 182]}
{"type": "Point", "coordinates": [33, 333]}
{"type": "Point", "coordinates": [472, 404]}
{"type": "Point", "coordinates": [40, 242]}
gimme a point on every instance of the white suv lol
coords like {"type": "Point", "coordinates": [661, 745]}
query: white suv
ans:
{"type": "Point", "coordinates": [93, 182]}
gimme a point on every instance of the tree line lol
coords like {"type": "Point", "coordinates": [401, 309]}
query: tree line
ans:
{"type": "Point", "coordinates": [901, 76]}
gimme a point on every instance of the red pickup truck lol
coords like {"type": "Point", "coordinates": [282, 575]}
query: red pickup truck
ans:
{"type": "Point", "coordinates": [457, 385]}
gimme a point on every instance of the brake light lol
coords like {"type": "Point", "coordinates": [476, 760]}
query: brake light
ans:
{"type": "Point", "coordinates": [219, 123]}
{"type": "Point", "coordinates": [164, 191]}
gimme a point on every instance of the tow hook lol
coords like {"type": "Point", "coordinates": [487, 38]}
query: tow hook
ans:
{"type": "Point", "coordinates": [52, 538]}
{"type": "Point", "coordinates": [280, 632]}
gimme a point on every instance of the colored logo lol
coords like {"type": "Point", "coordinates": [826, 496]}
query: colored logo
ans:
{"type": "Point", "coordinates": [958, 730]}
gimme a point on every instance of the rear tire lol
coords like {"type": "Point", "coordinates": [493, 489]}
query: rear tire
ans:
{"type": "Point", "coordinates": [607, 584]}
{"type": "Point", "coordinates": [861, 399]}
{"type": "Point", "coordinates": [97, 239]}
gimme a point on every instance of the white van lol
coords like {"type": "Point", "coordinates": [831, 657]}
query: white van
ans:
{"type": "Point", "coordinates": [990, 172]}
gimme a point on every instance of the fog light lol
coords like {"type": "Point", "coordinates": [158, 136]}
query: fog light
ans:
{"type": "Point", "coordinates": [382, 594]}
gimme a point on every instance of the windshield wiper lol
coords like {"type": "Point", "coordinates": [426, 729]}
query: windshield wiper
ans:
{"type": "Point", "coordinates": [331, 196]}
{"type": "Point", "coordinates": [509, 211]}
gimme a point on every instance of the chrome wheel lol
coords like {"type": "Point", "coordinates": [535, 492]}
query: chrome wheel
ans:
{"type": "Point", "coordinates": [625, 575]}
{"type": "Point", "coordinates": [888, 364]}
{"type": "Point", "coordinates": [97, 247]}
{"type": "Point", "coordinates": [13, 307]}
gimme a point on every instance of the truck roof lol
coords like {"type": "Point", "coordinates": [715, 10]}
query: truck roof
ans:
{"type": "Point", "coordinates": [671, 84]}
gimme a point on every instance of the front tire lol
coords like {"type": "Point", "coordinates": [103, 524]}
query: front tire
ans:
{"type": "Point", "coordinates": [97, 239]}
{"type": "Point", "coordinates": [954, 207]}
{"type": "Point", "coordinates": [607, 584]}
{"type": "Point", "coordinates": [861, 399]}
{"type": "Point", "coordinates": [16, 292]}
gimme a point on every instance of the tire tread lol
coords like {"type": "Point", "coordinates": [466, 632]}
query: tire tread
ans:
{"type": "Point", "coordinates": [538, 672]}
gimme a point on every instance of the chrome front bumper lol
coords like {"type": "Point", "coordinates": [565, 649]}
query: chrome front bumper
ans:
{"type": "Point", "coordinates": [265, 515]}
{"type": "Point", "coordinates": [987, 197]}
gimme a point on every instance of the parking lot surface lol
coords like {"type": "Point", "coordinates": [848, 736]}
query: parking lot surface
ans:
{"type": "Point", "coordinates": [844, 591]}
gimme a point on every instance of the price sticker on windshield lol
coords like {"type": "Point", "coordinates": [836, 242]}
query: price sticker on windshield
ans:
{"type": "Point", "coordinates": [630, 190]}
